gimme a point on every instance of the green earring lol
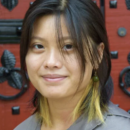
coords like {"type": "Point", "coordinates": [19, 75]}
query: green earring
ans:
{"type": "Point", "coordinates": [95, 77]}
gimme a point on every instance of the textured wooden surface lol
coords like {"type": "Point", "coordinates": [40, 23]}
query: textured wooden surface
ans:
{"type": "Point", "coordinates": [7, 120]}
{"type": "Point", "coordinates": [115, 18]}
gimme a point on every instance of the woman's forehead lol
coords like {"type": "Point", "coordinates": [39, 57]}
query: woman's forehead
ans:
{"type": "Point", "coordinates": [46, 24]}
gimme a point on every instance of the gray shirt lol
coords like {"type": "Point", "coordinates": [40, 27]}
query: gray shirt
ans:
{"type": "Point", "coordinates": [115, 119]}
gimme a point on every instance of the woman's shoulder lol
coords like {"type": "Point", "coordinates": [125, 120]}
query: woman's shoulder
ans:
{"type": "Point", "coordinates": [30, 123]}
{"type": "Point", "coordinates": [116, 119]}
{"type": "Point", "coordinates": [114, 110]}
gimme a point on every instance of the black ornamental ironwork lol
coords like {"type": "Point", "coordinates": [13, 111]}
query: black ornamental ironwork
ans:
{"type": "Point", "coordinates": [128, 4]}
{"type": "Point", "coordinates": [9, 4]}
{"type": "Point", "coordinates": [10, 31]}
{"type": "Point", "coordinates": [124, 78]}
{"type": "Point", "coordinates": [12, 75]}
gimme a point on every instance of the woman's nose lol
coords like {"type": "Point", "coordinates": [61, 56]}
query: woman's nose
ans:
{"type": "Point", "coordinates": [53, 60]}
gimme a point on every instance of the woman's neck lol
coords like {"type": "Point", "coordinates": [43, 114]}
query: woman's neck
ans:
{"type": "Point", "coordinates": [61, 110]}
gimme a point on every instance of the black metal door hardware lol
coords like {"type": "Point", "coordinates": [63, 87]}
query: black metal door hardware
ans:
{"type": "Point", "coordinates": [128, 4]}
{"type": "Point", "coordinates": [128, 58]}
{"type": "Point", "coordinates": [124, 80]}
{"type": "Point", "coordinates": [11, 75]}
{"type": "Point", "coordinates": [9, 4]}
{"type": "Point", "coordinates": [10, 31]}
{"type": "Point", "coordinates": [114, 54]}
{"type": "Point", "coordinates": [102, 7]}
{"type": "Point", "coordinates": [31, 3]}
{"type": "Point", "coordinates": [122, 32]}
{"type": "Point", "coordinates": [16, 110]}
{"type": "Point", "coordinates": [113, 3]}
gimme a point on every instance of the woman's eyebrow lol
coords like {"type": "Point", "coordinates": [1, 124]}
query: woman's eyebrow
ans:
{"type": "Point", "coordinates": [37, 38]}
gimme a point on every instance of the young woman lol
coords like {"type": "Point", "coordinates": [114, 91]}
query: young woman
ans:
{"type": "Point", "coordinates": [64, 49]}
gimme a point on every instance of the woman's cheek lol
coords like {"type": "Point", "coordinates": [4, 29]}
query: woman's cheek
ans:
{"type": "Point", "coordinates": [32, 61]}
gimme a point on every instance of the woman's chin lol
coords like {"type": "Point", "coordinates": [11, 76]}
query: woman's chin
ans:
{"type": "Point", "coordinates": [54, 95]}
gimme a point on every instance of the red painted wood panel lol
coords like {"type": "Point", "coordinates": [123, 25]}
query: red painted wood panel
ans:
{"type": "Point", "coordinates": [116, 18]}
{"type": "Point", "coordinates": [7, 120]}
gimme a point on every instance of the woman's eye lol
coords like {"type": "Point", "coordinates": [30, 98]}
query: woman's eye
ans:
{"type": "Point", "coordinates": [38, 46]}
{"type": "Point", "coordinates": [68, 47]}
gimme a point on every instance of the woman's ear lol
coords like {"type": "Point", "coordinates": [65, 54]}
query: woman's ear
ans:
{"type": "Point", "coordinates": [100, 50]}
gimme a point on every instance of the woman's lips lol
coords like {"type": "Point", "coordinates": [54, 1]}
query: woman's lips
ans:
{"type": "Point", "coordinates": [53, 78]}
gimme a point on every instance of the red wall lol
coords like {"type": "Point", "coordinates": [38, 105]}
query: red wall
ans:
{"type": "Point", "coordinates": [7, 120]}
{"type": "Point", "coordinates": [115, 18]}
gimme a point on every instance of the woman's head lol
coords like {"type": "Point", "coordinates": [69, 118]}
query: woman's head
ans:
{"type": "Point", "coordinates": [54, 75]}
{"type": "Point", "coordinates": [63, 43]}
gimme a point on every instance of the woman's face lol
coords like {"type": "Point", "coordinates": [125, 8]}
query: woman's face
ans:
{"type": "Point", "coordinates": [53, 75]}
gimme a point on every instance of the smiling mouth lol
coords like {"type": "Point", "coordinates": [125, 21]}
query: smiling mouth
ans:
{"type": "Point", "coordinates": [54, 78]}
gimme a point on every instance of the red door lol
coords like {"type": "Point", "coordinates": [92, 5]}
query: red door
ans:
{"type": "Point", "coordinates": [118, 23]}
{"type": "Point", "coordinates": [115, 19]}
{"type": "Point", "coordinates": [7, 120]}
